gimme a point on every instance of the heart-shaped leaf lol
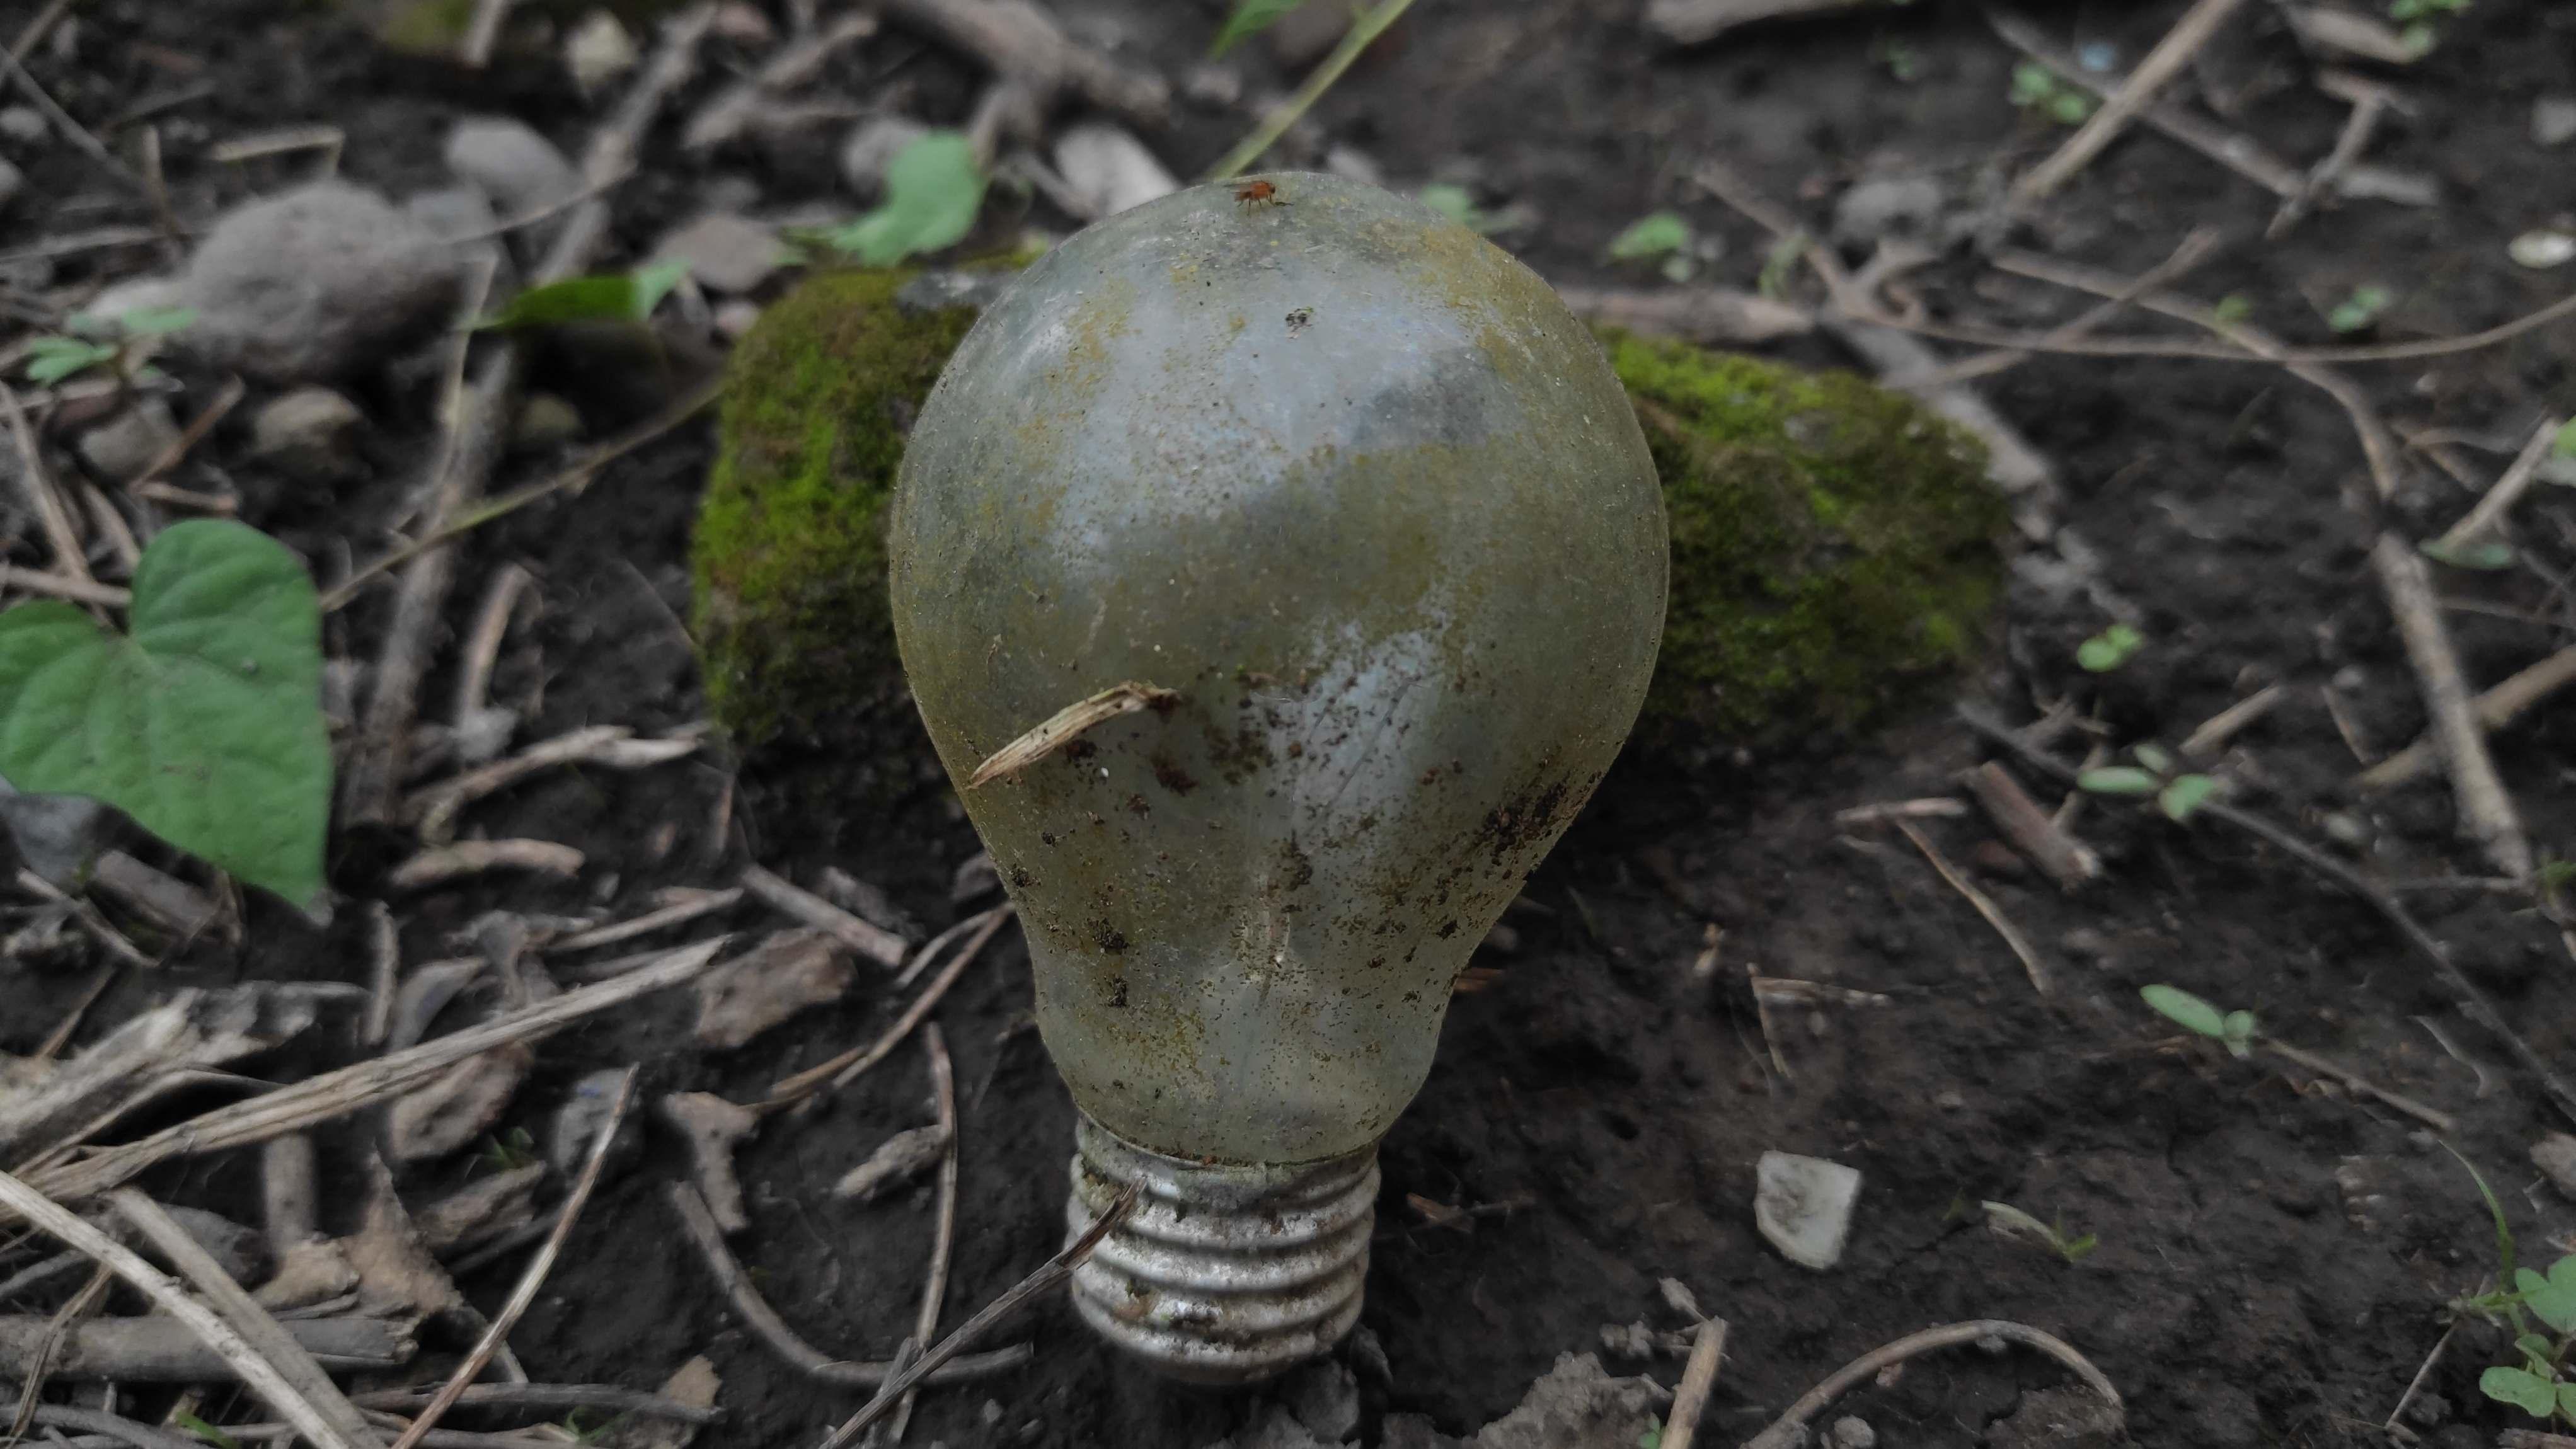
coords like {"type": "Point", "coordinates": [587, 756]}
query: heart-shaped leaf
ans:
{"type": "Point", "coordinates": [2524, 1390]}
{"type": "Point", "coordinates": [2185, 795]}
{"type": "Point", "coordinates": [204, 722]}
{"type": "Point", "coordinates": [2553, 1298]}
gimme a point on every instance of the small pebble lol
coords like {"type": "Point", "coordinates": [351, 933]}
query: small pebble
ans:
{"type": "Point", "coordinates": [2553, 120]}
{"type": "Point", "coordinates": [23, 125]}
{"type": "Point", "coordinates": [1853, 1432]}
{"type": "Point", "coordinates": [1216, 87]}
{"type": "Point", "coordinates": [12, 180]}
{"type": "Point", "coordinates": [1949, 1099]}
{"type": "Point", "coordinates": [599, 51]}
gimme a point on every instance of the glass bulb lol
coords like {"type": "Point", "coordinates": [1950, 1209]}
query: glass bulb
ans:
{"type": "Point", "coordinates": [1357, 490]}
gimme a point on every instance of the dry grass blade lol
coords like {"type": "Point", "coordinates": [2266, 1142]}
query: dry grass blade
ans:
{"type": "Point", "coordinates": [473, 857]}
{"type": "Point", "coordinates": [533, 1277]}
{"type": "Point", "coordinates": [1790, 1428]}
{"type": "Point", "coordinates": [2171, 54]}
{"type": "Point", "coordinates": [256, 1371]}
{"type": "Point", "coordinates": [868, 939]}
{"type": "Point", "coordinates": [1065, 724]}
{"type": "Point", "coordinates": [2508, 489]}
{"type": "Point", "coordinates": [336, 1094]}
{"type": "Point", "coordinates": [2439, 1121]}
{"type": "Point", "coordinates": [1994, 915]}
{"type": "Point", "coordinates": [40, 1364]}
{"type": "Point", "coordinates": [1048, 1276]}
{"type": "Point", "coordinates": [434, 809]}
{"type": "Point", "coordinates": [841, 1070]}
{"type": "Point", "coordinates": [934, 1290]}
{"type": "Point", "coordinates": [688, 906]}
{"type": "Point", "coordinates": [68, 558]}
{"type": "Point", "coordinates": [2068, 861]}
{"type": "Point", "coordinates": [60, 586]}
{"type": "Point", "coordinates": [2486, 811]}
{"type": "Point", "coordinates": [260, 1331]}
{"type": "Point", "coordinates": [190, 436]}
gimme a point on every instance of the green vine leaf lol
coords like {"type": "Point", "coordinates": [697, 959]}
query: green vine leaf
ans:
{"type": "Point", "coordinates": [2185, 795]}
{"type": "Point", "coordinates": [1651, 236]}
{"type": "Point", "coordinates": [2521, 1388]}
{"type": "Point", "coordinates": [617, 297]}
{"type": "Point", "coordinates": [933, 192]}
{"type": "Point", "coordinates": [2186, 1010]}
{"type": "Point", "coordinates": [1249, 19]}
{"type": "Point", "coordinates": [2552, 1297]}
{"type": "Point", "coordinates": [203, 722]}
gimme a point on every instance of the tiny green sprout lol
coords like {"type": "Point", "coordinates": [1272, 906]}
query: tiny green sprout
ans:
{"type": "Point", "coordinates": [2110, 649]}
{"type": "Point", "coordinates": [2234, 1030]}
{"type": "Point", "coordinates": [2154, 756]}
{"type": "Point", "coordinates": [1904, 63]}
{"type": "Point", "coordinates": [94, 341]}
{"type": "Point", "coordinates": [2564, 444]}
{"type": "Point", "coordinates": [2036, 87]}
{"type": "Point", "coordinates": [2012, 1222]}
{"type": "Point", "coordinates": [1652, 1437]}
{"type": "Point", "coordinates": [2233, 308]}
{"type": "Point", "coordinates": [2118, 780]}
{"type": "Point", "coordinates": [1649, 237]}
{"type": "Point", "coordinates": [2485, 555]}
{"type": "Point", "coordinates": [610, 297]}
{"type": "Point", "coordinates": [51, 359]}
{"type": "Point", "coordinates": [1459, 205]}
{"type": "Point", "coordinates": [1249, 19]}
{"type": "Point", "coordinates": [203, 1430]}
{"type": "Point", "coordinates": [933, 193]}
{"type": "Point", "coordinates": [2556, 876]}
{"type": "Point", "coordinates": [509, 1152]}
{"type": "Point", "coordinates": [2359, 311]}
{"type": "Point", "coordinates": [1784, 254]}
{"type": "Point", "coordinates": [2185, 794]}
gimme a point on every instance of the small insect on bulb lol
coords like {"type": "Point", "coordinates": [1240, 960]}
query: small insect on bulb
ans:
{"type": "Point", "coordinates": [1257, 193]}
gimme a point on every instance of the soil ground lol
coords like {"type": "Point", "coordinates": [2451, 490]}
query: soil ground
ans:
{"type": "Point", "coordinates": [2273, 1255]}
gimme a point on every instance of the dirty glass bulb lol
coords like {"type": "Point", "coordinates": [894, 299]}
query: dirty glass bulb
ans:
{"type": "Point", "coordinates": [1358, 508]}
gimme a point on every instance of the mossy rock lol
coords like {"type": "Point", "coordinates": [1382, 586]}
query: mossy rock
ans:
{"type": "Point", "coordinates": [1837, 550]}
{"type": "Point", "coordinates": [789, 558]}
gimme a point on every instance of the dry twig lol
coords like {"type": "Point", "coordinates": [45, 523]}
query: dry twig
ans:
{"type": "Point", "coordinates": [2135, 94]}
{"type": "Point", "coordinates": [1994, 915]}
{"type": "Point", "coordinates": [1681, 1426]}
{"type": "Point", "coordinates": [2508, 490]}
{"type": "Point", "coordinates": [38, 484]}
{"type": "Point", "coordinates": [686, 905]}
{"type": "Point", "coordinates": [2486, 811]}
{"type": "Point", "coordinates": [2496, 708]}
{"type": "Point", "coordinates": [2439, 1121]}
{"type": "Point", "coordinates": [1790, 1427]}
{"type": "Point", "coordinates": [474, 857]}
{"type": "Point", "coordinates": [841, 1070]}
{"type": "Point", "coordinates": [1062, 727]}
{"type": "Point", "coordinates": [435, 808]}
{"type": "Point", "coordinates": [2205, 742]}
{"type": "Point", "coordinates": [868, 939]}
{"type": "Point", "coordinates": [934, 1290]}
{"type": "Point", "coordinates": [2069, 861]}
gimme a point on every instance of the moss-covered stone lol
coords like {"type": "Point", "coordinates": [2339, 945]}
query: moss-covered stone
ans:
{"type": "Point", "coordinates": [1836, 548]}
{"type": "Point", "coordinates": [789, 558]}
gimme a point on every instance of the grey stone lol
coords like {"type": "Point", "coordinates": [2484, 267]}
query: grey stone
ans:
{"type": "Point", "coordinates": [1213, 86]}
{"type": "Point", "coordinates": [58, 836]}
{"type": "Point", "coordinates": [314, 283]}
{"type": "Point", "coordinates": [1888, 206]}
{"type": "Point", "coordinates": [1354, 164]}
{"type": "Point", "coordinates": [2553, 120]}
{"type": "Point", "coordinates": [119, 449]}
{"type": "Point", "coordinates": [12, 181]}
{"type": "Point", "coordinates": [1324, 1395]}
{"type": "Point", "coordinates": [520, 170]}
{"type": "Point", "coordinates": [310, 434]}
{"type": "Point", "coordinates": [599, 51]}
{"type": "Point", "coordinates": [2555, 1155]}
{"type": "Point", "coordinates": [455, 213]}
{"type": "Point", "coordinates": [1109, 168]}
{"type": "Point", "coordinates": [23, 125]}
{"type": "Point", "coordinates": [871, 147]}
{"type": "Point", "coordinates": [1576, 1406]}
{"type": "Point", "coordinates": [725, 252]}
{"type": "Point", "coordinates": [1853, 1432]}
{"type": "Point", "coordinates": [1803, 1206]}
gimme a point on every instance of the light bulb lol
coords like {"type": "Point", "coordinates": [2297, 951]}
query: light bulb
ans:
{"type": "Point", "coordinates": [1355, 488]}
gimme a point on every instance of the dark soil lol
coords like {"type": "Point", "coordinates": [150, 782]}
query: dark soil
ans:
{"type": "Point", "coordinates": [2274, 1254]}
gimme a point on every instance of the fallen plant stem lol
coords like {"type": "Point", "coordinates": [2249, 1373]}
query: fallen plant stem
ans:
{"type": "Point", "coordinates": [1681, 1426]}
{"type": "Point", "coordinates": [2498, 707]}
{"type": "Point", "coordinates": [841, 1070]}
{"type": "Point", "coordinates": [2188, 36]}
{"type": "Point", "coordinates": [547, 1396]}
{"type": "Point", "coordinates": [1790, 1427]}
{"type": "Point", "coordinates": [934, 1290]}
{"type": "Point", "coordinates": [2439, 1121]}
{"type": "Point", "coordinates": [2486, 811]}
{"type": "Point", "coordinates": [2473, 1002]}
{"type": "Point", "coordinates": [1986, 907]}
{"type": "Point", "coordinates": [1066, 725]}
{"type": "Point", "coordinates": [1364, 29]}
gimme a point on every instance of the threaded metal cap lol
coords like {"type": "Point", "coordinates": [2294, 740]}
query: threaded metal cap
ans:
{"type": "Point", "coordinates": [1222, 1274]}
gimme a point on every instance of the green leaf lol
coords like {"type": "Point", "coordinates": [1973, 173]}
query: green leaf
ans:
{"type": "Point", "coordinates": [1458, 204]}
{"type": "Point", "coordinates": [2075, 1249]}
{"type": "Point", "coordinates": [2154, 756]}
{"type": "Point", "coordinates": [2110, 649]}
{"type": "Point", "coordinates": [2359, 310]}
{"type": "Point", "coordinates": [2552, 1297]}
{"type": "Point", "coordinates": [2070, 107]}
{"type": "Point", "coordinates": [2504, 1234]}
{"type": "Point", "coordinates": [2567, 1400]}
{"type": "Point", "coordinates": [2186, 1010]}
{"type": "Point", "coordinates": [1651, 236]}
{"type": "Point", "coordinates": [620, 297]}
{"type": "Point", "coordinates": [2524, 1390]}
{"type": "Point", "coordinates": [2484, 555]}
{"type": "Point", "coordinates": [2032, 83]}
{"type": "Point", "coordinates": [1250, 18]}
{"type": "Point", "coordinates": [2186, 794]}
{"type": "Point", "coordinates": [2564, 445]}
{"type": "Point", "coordinates": [51, 359]}
{"type": "Point", "coordinates": [204, 1430]}
{"type": "Point", "coordinates": [2233, 308]}
{"type": "Point", "coordinates": [156, 321]}
{"type": "Point", "coordinates": [204, 722]}
{"type": "Point", "coordinates": [933, 192]}
{"type": "Point", "coordinates": [2117, 780]}
{"type": "Point", "coordinates": [1652, 1437]}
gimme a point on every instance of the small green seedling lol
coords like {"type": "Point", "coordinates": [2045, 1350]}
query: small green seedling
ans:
{"type": "Point", "coordinates": [1661, 235]}
{"type": "Point", "coordinates": [2538, 1384]}
{"type": "Point", "coordinates": [933, 193]}
{"type": "Point", "coordinates": [2233, 308]}
{"type": "Point", "coordinates": [508, 1152]}
{"type": "Point", "coordinates": [2234, 1030]}
{"type": "Point", "coordinates": [587, 1426]}
{"type": "Point", "coordinates": [119, 343]}
{"type": "Point", "coordinates": [2360, 311]}
{"type": "Point", "coordinates": [2110, 649]}
{"type": "Point", "coordinates": [1459, 205]}
{"type": "Point", "coordinates": [2483, 555]}
{"type": "Point", "coordinates": [2179, 795]}
{"type": "Point", "coordinates": [2421, 33]}
{"type": "Point", "coordinates": [202, 719]}
{"type": "Point", "coordinates": [1784, 254]}
{"type": "Point", "coordinates": [2011, 1222]}
{"type": "Point", "coordinates": [614, 297]}
{"type": "Point", "coordinates": [1250, 18]}
{"type": "Point", "coordinates": [2555, 877]}
{"type": "Point", "coordinates": [203, 1430]}
{"type": "Point", "coordinates": [1904, 63]}
{"type": "Point", "coordinates": [2036, 88]}
{"type": "Point", "coordinates": [1652, 1437]}
{"type": "Point", "coordinates": [2563, 445]}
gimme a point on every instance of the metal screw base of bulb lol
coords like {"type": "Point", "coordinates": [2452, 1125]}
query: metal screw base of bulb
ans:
{"type": "Point", "coordinates": [1222, 1274]}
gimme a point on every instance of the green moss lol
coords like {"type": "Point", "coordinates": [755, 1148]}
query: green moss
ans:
{"type": "Point", "coordinates": [1836, 548]}
{"type": "Point", "coordinates": [789, 558]}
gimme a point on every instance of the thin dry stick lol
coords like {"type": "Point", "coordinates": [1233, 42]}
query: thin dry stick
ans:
{"type": "Point", "coordinates": [1994, 915]}
{"type": "Point", "coordinates": [87, 918]}
{"type": "Point", "coordinates": [262, 1377]}
{"type": "Point", "coordinates": [70, 129]}
{"type": "Point", "coordinates": [483, 644]}
{"type": "Point", "coordinates": [782, 1340]}
{"type": "Point", "coordinates": [2439, 1121]}
{"type": "Point", "coordinates": [474, 857]}
{"type": "Point", "coordinates": [336, 1094]}
{"type": "Point", "coordinates": [2415, 1385]}
{"type": "Point", "coordinates": [191, 435]}
{"type": "Point", "coordinates": [1790, 1428]}
{"type": "Point", "coordinates": [2162, 64]}
{"type": "Point", "coordinates": [61, 1036]}
{"type": "Point", "coordinates": [2214, 732]}
{"type": "Point", "coordinates": [2358, 127]}
{"type": "Point", "coordinates": [482, 32]}
{"type": "Point", "coordinates": [58, 586]}
{"type": "Point", "coordinates": [1762, 1022]}
{"type": "Point", "coordinates": [105, 1427]}
{"type": "Point", "coordinates": [934, 1289]}
{"type": "Point", "coordinates": [868, 939]}
{"type": "Point", "coordinates": [2508, 489]}
{"type": "Point", "coordinates": [384, 971]}
{"type": "Point", "coordinates": [2237, 152]}
{"type": "Point", "coordinates": [111, 528]}
{"type": "Point", "coordinates": [533, 1277]}
{"type": "Point", "coordinates": [841, 1070]}
{"type": "Point", "coordinates": [434, 809]}
{"type": "Point", "coordinates": [40, 1364]}
{"type": "Point", "coordinates": [1682, 1424]}
{"type": "Point", "coordinates": [261, 1332]}
{"type": "Point", "coordinates": [690, 908]}
{"type": "Point", "coordinates": [2473, 1002]}
{"type": "Point", "coordinates": [2197, 246]}
{"type": "Point", "coordinates": [377, 767]}
{"type": "Point", "coordinates": [68, 558]}
{"type": "Point", "coordinates": [1062, 727]}
{"type": "Point", "coordinates": [547, 1396]}
{"type": "Point", "coordinates": [2068, 861]}
{"type": "Point", "coordinates": [2486, 811]}
{"type": "Point", "coordinates": [36, 30]}
{"type": "Point", "coordinates": [1052, 1273]}
{"type": "Point", "coordinates": [1364, 29]}
{"type": "Point", "coordinates": [2496, 708]}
